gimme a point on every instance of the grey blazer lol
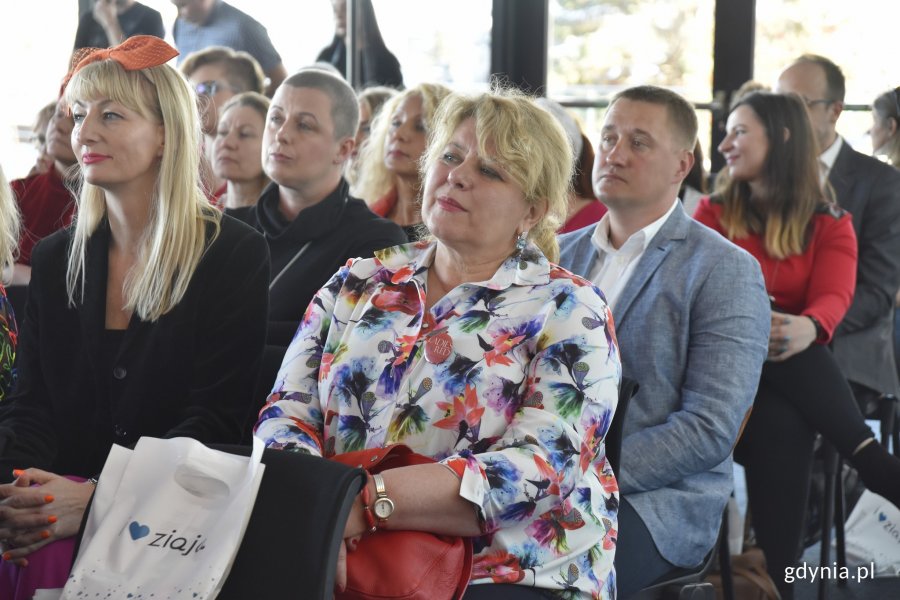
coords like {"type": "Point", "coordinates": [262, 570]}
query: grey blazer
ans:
{"type": "Point", "coordinates": [693, 327]}
{"type": "Point", "coordinates": [863, 343]}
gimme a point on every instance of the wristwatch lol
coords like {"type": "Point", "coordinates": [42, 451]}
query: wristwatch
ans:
{"type": "Point", "coordinates": [383, 506]}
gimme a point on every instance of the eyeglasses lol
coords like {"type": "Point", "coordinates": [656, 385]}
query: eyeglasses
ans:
{"type": "Point", "coordinates": [811, 103]}
{"type": "Point", "coordinates": [211, 88]}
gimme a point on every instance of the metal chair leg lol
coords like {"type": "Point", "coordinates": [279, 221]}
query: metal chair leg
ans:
{"type": "Point", "coordinates": [725, 560]}
{"type": "Point", "coordinates": [839, 518]}
{"type": "Point", "coordinates": [830, 460]}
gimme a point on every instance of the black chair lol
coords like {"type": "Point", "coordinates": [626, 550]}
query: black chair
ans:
{"type": "Point", "coordinates": [689, 584]}
{"type": "Point", "coordinates": [627, 389]}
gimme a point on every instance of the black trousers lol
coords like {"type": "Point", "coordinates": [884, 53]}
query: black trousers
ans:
{"type": "Point", "coordinates": [797, 398]}
{"type": "Point", "coordinates": [638, 562]}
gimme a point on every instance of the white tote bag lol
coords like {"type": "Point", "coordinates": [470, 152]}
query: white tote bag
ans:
{"type": "Point", "coordinates": [166, 521]}
{"type": "Point", "coordinates": [873, 535]}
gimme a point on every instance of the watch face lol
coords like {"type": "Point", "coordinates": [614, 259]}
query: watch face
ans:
{"type": "Point", "coordinates": [383, 508]}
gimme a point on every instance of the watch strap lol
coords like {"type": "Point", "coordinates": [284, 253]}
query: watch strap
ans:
{"type": "Point", "coordinates": [380, 488]}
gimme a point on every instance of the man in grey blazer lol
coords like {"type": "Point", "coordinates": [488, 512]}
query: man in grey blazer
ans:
{"type": "Point", "coordinates": [692, 319]}
{"type": "Point", "coordinates": [870, 191]}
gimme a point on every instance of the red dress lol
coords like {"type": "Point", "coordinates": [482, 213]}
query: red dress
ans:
{"type": "Point", "coordinates": [45, 204]}
{"type": "Point", "coordinates": [818, 283]}
{"type": "Point", "coordinates": [587, 215]}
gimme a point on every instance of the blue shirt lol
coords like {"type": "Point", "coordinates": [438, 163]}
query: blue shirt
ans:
{"type": "Point", "coordinates": [230, 27]}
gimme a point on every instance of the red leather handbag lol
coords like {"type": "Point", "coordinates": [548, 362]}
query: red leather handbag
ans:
{"type": "Point", "coordinates": [404, 565]}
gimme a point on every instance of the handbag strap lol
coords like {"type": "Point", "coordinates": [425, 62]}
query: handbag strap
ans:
{"type": "Point", "coordinates": [289, 264]}
{"type": "Point", "coordinates": [375, 460]}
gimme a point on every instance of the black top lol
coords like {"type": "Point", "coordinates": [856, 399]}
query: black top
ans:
{"type": "Point", "coordinates": [137, 20]}
{"type": "Point", "coordinates": [110, 344]}
{"type": "Point", "coordinates": [190, 373]}
{"type": "Point", "coordinates": [377, 65]}
{"type": "Point", "coordinates": [338, 228]}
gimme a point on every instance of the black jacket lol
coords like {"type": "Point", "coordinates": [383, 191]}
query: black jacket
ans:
{"type": "Point", "coordinates": [338, 228]}
{"type": "Point", "coordinates": [188, 374]}
{"type": "Point", "coordinates": [377, 65]}
{"type": "Point", "coordinates": [864, 341]}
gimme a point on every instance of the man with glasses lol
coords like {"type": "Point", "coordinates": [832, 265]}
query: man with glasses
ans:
{"type": "Point", "coordinates": [870, 190]}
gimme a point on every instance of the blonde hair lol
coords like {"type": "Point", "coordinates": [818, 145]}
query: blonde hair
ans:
{"type": "Point", "coordinates": [9, 224]}
{"type": "Point", "coordinates": [175, 238]}
{"type": "Point", "coordinates": [374, 97]}
{"type": "Point", "coordinates": [526, 140]}
{"type": "Point", "coordinates": [374, 178]}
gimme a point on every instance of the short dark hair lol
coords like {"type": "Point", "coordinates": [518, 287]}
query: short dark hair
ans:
{"type": "Point", "coordinates": [681, 114]}
{"type": "Point", "coordinates": [344, 108]}
{"type": "Point", "coordinates": [834, 77]}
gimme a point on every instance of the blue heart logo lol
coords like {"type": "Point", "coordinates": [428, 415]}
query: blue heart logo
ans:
{"type": "Point", "coordinates": [138, 531]}
{"type": "Point", "coordinates": [882, 517]}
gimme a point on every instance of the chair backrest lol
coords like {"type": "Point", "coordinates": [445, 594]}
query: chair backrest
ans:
{"type": "Point", "coordinates": [627, 389]}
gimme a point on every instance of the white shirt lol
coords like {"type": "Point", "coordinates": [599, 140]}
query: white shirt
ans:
{"type": "Point", "coordinates": [613, 268]}
{"type": "Point", "coordinates": [827, 158]}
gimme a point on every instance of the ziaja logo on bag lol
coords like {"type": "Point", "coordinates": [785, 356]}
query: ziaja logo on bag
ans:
{"type": "Point", "coordinates": [888, 525]}
{"type": "Point", "coordinates": [168, 540]}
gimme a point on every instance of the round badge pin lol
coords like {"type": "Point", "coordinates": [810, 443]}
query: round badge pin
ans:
{"type": "Point", "coordinates": [438, 347]}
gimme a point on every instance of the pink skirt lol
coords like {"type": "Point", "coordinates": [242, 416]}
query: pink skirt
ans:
{"type": "Point", "coordinates": [48, 568]}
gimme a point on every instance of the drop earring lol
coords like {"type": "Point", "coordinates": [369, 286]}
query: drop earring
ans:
{"type": "Point", "coordinates": [521, 241]}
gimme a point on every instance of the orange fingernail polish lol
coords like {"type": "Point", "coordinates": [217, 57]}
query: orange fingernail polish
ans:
{"type": "Point", "coordinates": [48, 498]}
{"type": "Point", "coordinates": [17, 472]}
{"type": "Point", "coordinates": [52, 519]}
{"type": "Point", "coordinates": [6, 555]}
{"type": "Point", "coordinates": [45, 534]}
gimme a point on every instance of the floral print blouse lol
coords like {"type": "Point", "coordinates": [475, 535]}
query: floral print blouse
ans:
{"type": "Point", "coordinates": [9, 336]}
{"type": "Point", "coordinates": [519, 409]}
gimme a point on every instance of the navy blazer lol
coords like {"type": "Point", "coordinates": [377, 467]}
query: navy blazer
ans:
{"type": "Point", "coordinates": [188, 374]}
{"type": "Point", "coordinates": [863, 343]}
{"type": "Point", "coordinates": [693, 327]}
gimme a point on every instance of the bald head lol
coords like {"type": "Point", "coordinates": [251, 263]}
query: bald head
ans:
{"type": "Point", "coordinates": [820, 84]}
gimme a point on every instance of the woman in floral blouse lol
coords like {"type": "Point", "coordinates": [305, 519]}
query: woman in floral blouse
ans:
{"type": "Point", "coordinates": [474, 349]}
